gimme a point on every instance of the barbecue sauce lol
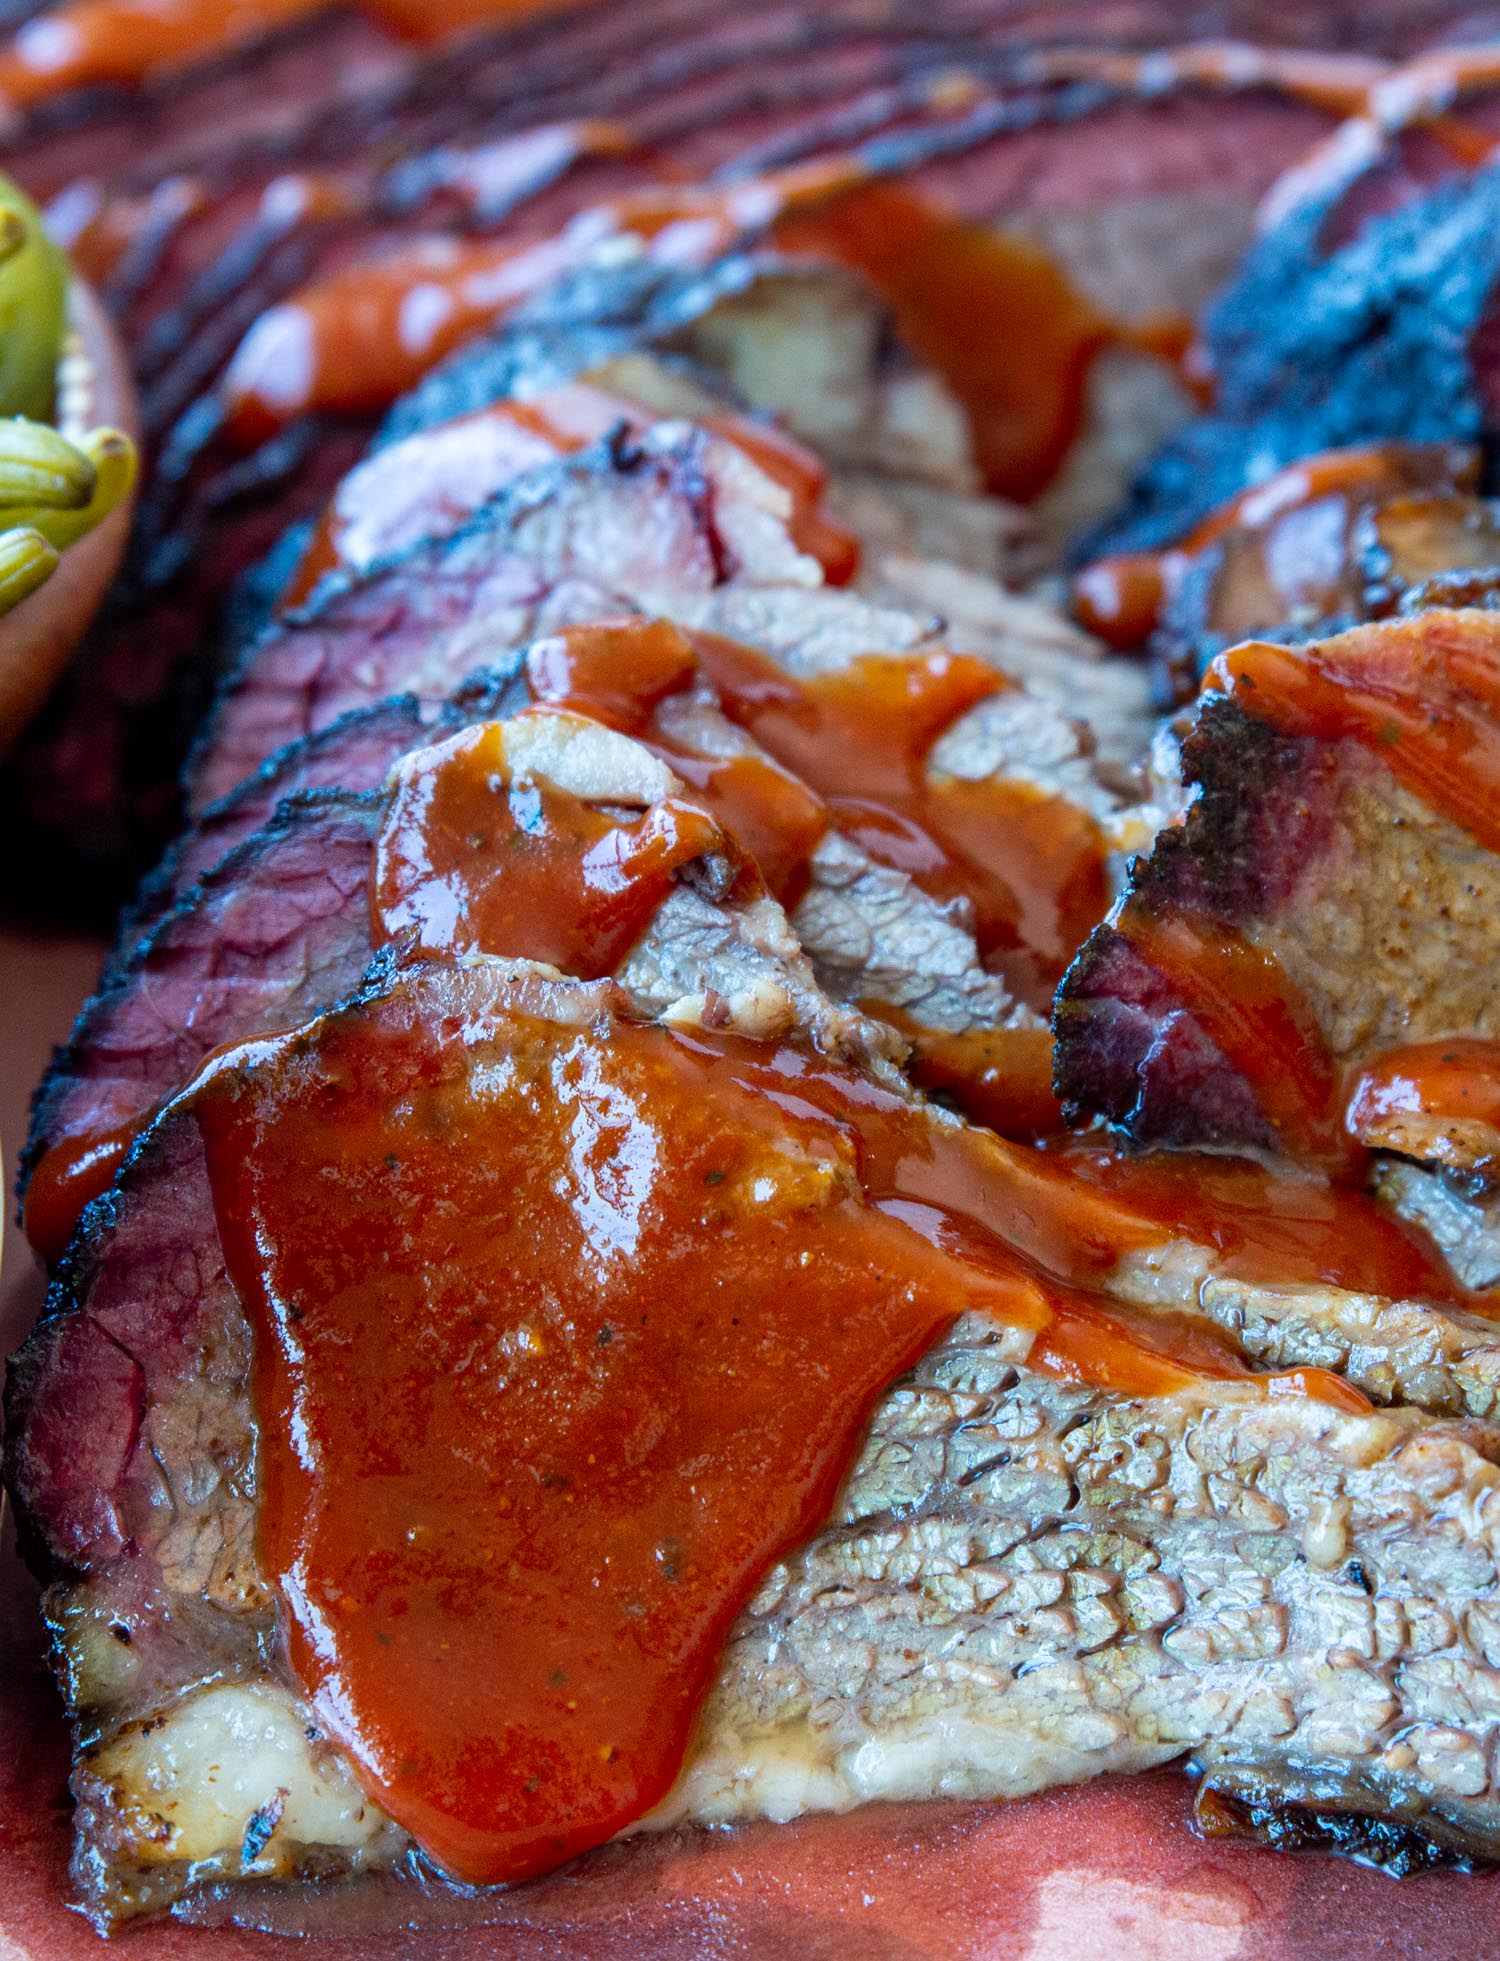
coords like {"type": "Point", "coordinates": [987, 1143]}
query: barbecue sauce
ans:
{"type": "Point", "coordinates": [851, 747]}
{"type": "Point", "coordinates": [565, 1330]}
{"type": "Point", "coordinates": [1008, 331]}
{"type": "Point", "coordinates": [1029, 865]}
{"type": "Point", "coordinates": [1245, 1003]}
{"type": "Point", "coordinates": [621, 673]}
{"type": "Point", "coordinates": [1422, 697]}
{"type": "Point", "coordinates": [352, 341]}
{"type": "Point", "coordinates": [124, 41]}
{"type": "Point", "coordinates": [991, 846]}
{"type": "Point", "coordinates": [1444, 1095]}
{"type": "Point", "coordinates": [92, 43]}
{"type": "Point", "coordinates": [994, 316]}
{"type": "Point", "coordinates": [997, 1076]}
{"type": "Point", "coordinates": [73, 1170]}
{"type": "Point", "coordinates": [991, 312]}
{"type": "Point", "coordinates": [472, 858]}
{"type": "Point", "coordinates": [101, 42]}
{"type": "Point", "coordinates": [855, 745]}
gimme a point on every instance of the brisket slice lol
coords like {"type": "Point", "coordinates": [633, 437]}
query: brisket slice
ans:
{"type": "Point", "coordinates": [869, 931]}
{"type": "Point", "coordinates": [1380, 912]}
{"type": "Point", "coordinates": [677, 524]}
{"type": "Point", "coordinates": [1396, 543]}
{"type": "Point", "coordinates": [280, 927]}
{"type": "Point", "coordinates": [353, 752]}
{"type": "Point", "coordinates": [276, 931]}
{"type": "Point", "coordinates": [618, 529]}
{"type": "Point", "coordinates": [1317, 345]}
{"type": "Point", "coordinates": [1377, 910]}
{"type": "Point", "coordinates": [1300, 1599]}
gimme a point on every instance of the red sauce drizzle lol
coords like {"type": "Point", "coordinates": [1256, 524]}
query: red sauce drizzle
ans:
{"type": "Point", "coordinates": [1031, 865]}
{"type": "Point", "coordinates": [1245, 1002]}
{"type": "Point", "coordinates": [554, 1358]}
{"type": "Point", "coordinates": [620, 673]}
{"type": "Point", "coordinates": [353, 340]}
{"type": "Point", "coordinates": [1323, 78]}
{"type": "Point", "coordinates": [997, 1076]}
{"type": "Point", "coordinates": [72, 1171]}
{"type": "Point", "coordinates": [993, 315]}
{"type": "Point", "coordinates": [472, 858]}
{"type": "Point", "coordinates": [854, 745]}
{"type": "Point", "coordinates": [1088, 1203]}
{"type": "Point", "coordinates": [1423, 696]}
{"type": "Point", "coordinates": [1008, 331]}
{"type": "Point", "coordinates": [848, 748]}
{"type": "Point", "coordinates": [124, 40]}
{"type": "Point", "coordinates": [804, 477]}
{"type": "Point", "coordinates": [92, 42]}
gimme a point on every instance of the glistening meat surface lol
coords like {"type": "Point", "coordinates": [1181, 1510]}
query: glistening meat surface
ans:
{"type": "Point", "coordinates": [1129, 1499]}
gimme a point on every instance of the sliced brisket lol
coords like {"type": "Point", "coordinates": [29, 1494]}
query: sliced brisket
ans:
{"type": "Point", "coordinates": [621, 529]}
{"type": "Point", "coordinates": [276, 931]}
{"type": "Point", "coordinates": [1317, 346]}
{"type": "Point", "coordinates": [237, 185]}
{"type": "Point", "coordinates": [1094, 1582]}
{"type": "Point", "coordinates": [281, 926]}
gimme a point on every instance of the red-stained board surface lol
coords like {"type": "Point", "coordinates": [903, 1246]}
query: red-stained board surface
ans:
{"type": "Point", "coordinates": [1110, 1871]}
